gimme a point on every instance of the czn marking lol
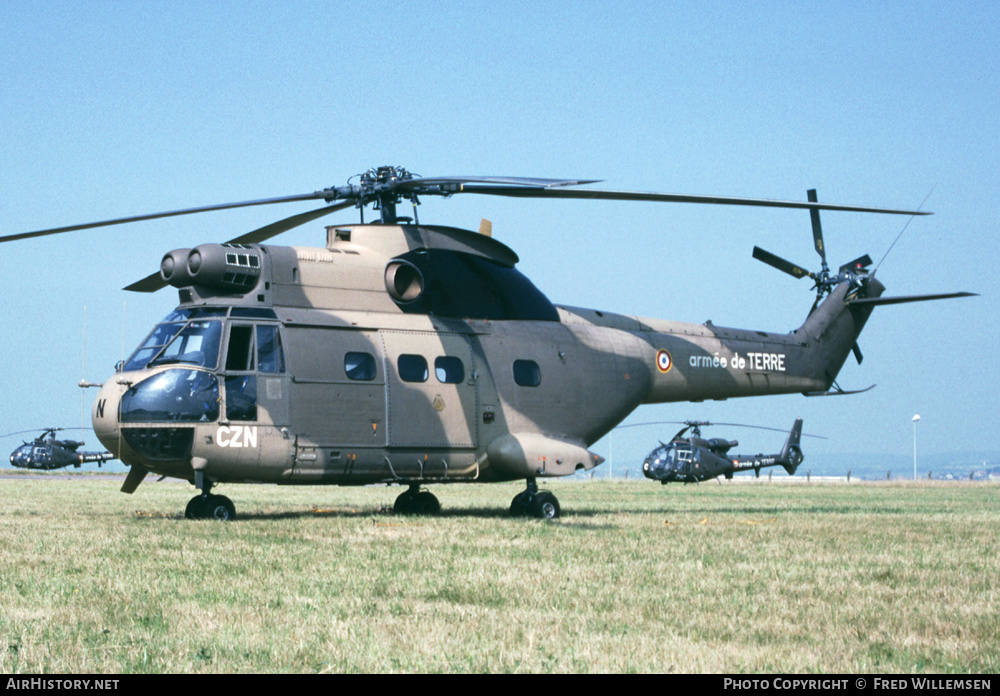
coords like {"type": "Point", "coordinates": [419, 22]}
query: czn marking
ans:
{"type": "Point", "coordinates": [236, 436]}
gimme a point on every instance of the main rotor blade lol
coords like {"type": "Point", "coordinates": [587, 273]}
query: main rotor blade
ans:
{"type": "Point", "coordinates": [817, 229]}
{"type": "Point", "coordinates": [154, 282]}
{"type": "Point", "coordinates": [680, 433]}
{"type": "Point", "coordinates": [607, 195]}
{"type": "Point", "coordinates": [172, 213]}
{"type": "Point", "coordinates": [276, 228]}
{"type": "Point", "coordinates": [780, 263]}
{"type": "Point", "coordinates": [738, 425]}
{"type": "Point", "coordinates": [150, 283]}
{"type": "Point", "coordinates": [520, 181]}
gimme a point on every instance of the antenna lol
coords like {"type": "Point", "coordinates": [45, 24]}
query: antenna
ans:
{"type": "Point", "coordinates": [879, 264]}
{"type": "Point", "coordinates": [83, 370]}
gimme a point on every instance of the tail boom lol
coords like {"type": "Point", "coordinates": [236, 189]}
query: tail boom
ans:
{"type": "Point", "coordinates": [699, 362]}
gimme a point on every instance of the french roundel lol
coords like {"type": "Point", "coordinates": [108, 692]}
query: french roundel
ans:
{"type": "Point", "coordinates": [663, 361]}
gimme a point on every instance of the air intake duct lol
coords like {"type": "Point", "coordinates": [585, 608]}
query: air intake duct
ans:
{"type": "Point", "coordinates": [220, 267]}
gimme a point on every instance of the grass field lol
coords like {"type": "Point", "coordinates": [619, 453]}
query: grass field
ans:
{"type": "Point", "coordinates": [635, 577]}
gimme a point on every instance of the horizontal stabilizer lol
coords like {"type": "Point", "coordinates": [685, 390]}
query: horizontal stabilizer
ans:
{"type": "Point", "coordinates": [908, 298]}
{"type": "Point", "coordinates": [838, 392]}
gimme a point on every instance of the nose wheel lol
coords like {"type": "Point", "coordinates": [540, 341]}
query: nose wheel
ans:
{"type": "Point", "coordinates": [534, 503]}
{"type": "Point", "coordinates": [210, 507]}
{"type": "Point", "coordinates": [207, 506]}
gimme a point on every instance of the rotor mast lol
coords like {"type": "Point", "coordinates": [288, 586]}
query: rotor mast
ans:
{"type": "Point", "coordinates": [382, 182]}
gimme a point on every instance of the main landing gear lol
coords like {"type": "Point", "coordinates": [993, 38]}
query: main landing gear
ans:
{"type": "Point", "coordinates": [207, 506]}
{"type": "Point", "coordinates": [414, 501]}
{"type": "Point", "coordinates": [533, 503]}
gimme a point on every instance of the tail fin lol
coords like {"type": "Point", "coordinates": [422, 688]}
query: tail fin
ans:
{"type": "Point", "coordinates": [791, 453]}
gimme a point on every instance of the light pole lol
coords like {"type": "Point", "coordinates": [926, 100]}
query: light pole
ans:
{"type": "Point", "coordinates": [915, 419]}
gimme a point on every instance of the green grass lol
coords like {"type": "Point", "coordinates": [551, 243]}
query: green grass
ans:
{"type": "Point", "coordinates": [635, 577]}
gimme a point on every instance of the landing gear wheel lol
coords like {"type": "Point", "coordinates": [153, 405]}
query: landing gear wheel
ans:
{"type": "Point", "coordinates": [219, 507]}
{"type": "Point", "coordinates": [416, 502]}
{"type": "Point", "coordinates": [532, 503]}
{"type": "Point", "coordinates": [196, 508]}
{"type": "Point", "coordinates": [520, 506]}
{"type": "Point", "coordinates": [210, 507]}
{"type": "Point", "coordinates": [545, 506]}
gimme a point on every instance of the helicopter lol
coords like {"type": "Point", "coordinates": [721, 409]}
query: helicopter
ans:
{"type": "Point", "coordinates": [45, 452]}
{"type": "Point", "coordinates": [693, 459]}
{"type": "Point", "coordinates": [415, 354]}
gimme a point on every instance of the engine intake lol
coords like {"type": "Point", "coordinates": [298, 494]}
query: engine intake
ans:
{"type": "Point", "coordinates": [221, 267]}
{"type": "Point", "coordinates": [403, 281]}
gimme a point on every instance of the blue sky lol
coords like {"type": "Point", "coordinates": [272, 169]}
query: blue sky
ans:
{"type": "Point", "coordinates": [110, 109]}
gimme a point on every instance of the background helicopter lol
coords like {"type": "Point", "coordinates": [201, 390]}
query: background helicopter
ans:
{"type": "Point", "coordinates": [45, 452]}
{"type": "Point", "coordinates": [693, 459]}
{"type": "Point", "coordinates": [410, 354]}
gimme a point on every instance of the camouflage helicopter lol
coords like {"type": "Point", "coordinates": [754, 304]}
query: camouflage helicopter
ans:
{"type": "Point", "coordinates": [414, 354]}
{"type": "Point", "coordinates": [45, 452]}
{"type": "Point", "coordinates": [693, 459]}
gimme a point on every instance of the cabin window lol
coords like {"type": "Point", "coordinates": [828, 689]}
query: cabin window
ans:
{"type": "Point", "coordinates": [449, 369]}
{"type": "Point", "coordinates": [526, 373]}
{"type": "Point", "coordinates": [360, 366]}
{"type": "Point", "coordinates": [412, 368]}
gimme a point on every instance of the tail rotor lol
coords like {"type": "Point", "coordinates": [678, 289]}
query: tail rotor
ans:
{"type": "Point", "coordinates": [854, 272]}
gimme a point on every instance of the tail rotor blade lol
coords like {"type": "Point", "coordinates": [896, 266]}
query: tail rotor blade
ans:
{"type": "Point", "coordinates": [857, 264]}
{"type": "Point", "coordinates": [817, 229]}
{"type": "Point", "coordinates": [780, 263]}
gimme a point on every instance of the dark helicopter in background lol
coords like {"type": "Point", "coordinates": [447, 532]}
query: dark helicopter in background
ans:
{"type": "Point", "coordinates": [46, 453]}
{"type": "Point", "coordinates": [408, 353]}
{"type": "Point", "coordinates": [693, 459]}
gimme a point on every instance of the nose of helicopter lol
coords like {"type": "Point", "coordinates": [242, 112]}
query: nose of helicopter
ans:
{"type": "Point", "coordinates": [104, 414]}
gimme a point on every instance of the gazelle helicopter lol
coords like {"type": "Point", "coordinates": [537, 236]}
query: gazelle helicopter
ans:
{"type": "Point", "coordinates": [45, 452]}
{"type": "Point", "coordinates": [414, 354]}
{"type": "Point", "coordinates": [694, 459]}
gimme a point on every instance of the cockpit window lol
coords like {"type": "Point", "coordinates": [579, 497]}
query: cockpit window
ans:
{"type": "Point", "coordinates": [153, 344]}
{"type": "Point", "coordinates": [196, 344]}
{"type": "Point", "coordinates": [263, 353]}
{"type": "Point", "coordinates": [270, 356]}
{"type": "Point", "coordinates": [191, 339]}
{"type": "Point", "coordinates": [174, 395]}
{"type": "Point", "coordinates": [241, 353]}
{"type": "Point", "coordinates": [676, 457]}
